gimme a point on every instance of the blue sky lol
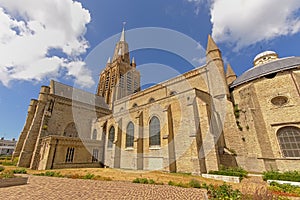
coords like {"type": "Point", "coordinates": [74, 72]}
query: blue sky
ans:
{"type": "Point", "coordinates": [51, 39]}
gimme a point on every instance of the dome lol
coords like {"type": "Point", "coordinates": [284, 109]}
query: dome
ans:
{"type": "Point", "coordinates": [264, 54]}
{"type": "Point", "coordinates": [265, 57]}
{"type": "Point", "coordinates": [268, 68]}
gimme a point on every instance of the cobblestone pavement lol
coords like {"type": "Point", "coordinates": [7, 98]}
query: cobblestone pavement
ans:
{"type": "Point", "coordinates": [63, 188]}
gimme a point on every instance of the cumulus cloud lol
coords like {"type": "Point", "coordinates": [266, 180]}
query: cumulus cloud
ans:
{"type": "Point", "coordinates": [243, 23]}
{"type": "Point", "coordinates": [42, 39]}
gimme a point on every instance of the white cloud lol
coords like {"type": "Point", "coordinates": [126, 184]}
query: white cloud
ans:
{"type": "Point", "coordinates": [198, 4]}
{"type": "Point", "coordinates": [242, 22]}
{"type": "Point", "coordinates": [31, 31]}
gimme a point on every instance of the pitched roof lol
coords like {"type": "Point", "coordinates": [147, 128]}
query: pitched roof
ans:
{"type": "Point", "coordinates": [266, 69]}
{"type": "Point", "coordinates": [75, 94]}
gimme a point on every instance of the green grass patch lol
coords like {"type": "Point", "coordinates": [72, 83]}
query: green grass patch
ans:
{"type": "Point", "coordinates": [19, 171]}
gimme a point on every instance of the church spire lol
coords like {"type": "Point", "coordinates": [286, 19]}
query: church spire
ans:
{"type": "Point", "coordinates": [122, 50]}
{"type": "Point", "coordinates": [122, 39]}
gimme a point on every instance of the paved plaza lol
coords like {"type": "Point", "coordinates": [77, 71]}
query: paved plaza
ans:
{"type": "Point", "coordinates": [64, 188]}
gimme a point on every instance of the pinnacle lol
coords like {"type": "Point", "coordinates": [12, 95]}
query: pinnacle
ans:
{"type": "Point", "coordinates": [229, 71]}
{"type": "Point", "coordinates": [122, 39]}
{"type": "Point", "coordinates": [211, 45]}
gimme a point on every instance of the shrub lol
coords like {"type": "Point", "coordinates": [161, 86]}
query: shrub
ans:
{"type": "Point", "coordinates": [7, 174]}
{"type": "Point", "coordinates": [20, 171]}
{"type": "Point", "coordinates": [171, 183]}
{"type": "Point", "coordinates": [141, 180]}
{"type": "Point", "coordinates": [8, 163]}
{"type": "Point", "coordinates": [286, 188]}
{"type": "Point", "coordinates": [194, 183]}
{"type": "Point", "coordinates": [151, 181]}
{"type": "Point", "coordinates": [223, 192]}
{"type": "Point", "coordinates": [285, 176]}
{"type": "Point", "coordinates": [1, 168]}
{"type": "Point", "coordinates": [231, 171]}
{"type": "Point", "coordinates": [50, 173]}
{"type": "Point", "coordinates": [180, 184]}
{"type": "Point", "coordinates": [89, 176]}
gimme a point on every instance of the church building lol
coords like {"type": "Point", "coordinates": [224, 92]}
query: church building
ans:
{"type": "Point", "coordinates": [196, 122]}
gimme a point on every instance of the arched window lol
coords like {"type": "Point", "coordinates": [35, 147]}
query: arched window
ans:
{"type": "Point", "coordinates": [94, 136]}
{"type": "Point", "coordinates": [111, 137]}
{"type": "Point", "coordinates": [154, 132]}
{"type": "Point", "coordinates": [70, 130]}
{"type": "Point", "coordinates": [130, 135]}
{"type": "Point", "coordinates": [289, 141]}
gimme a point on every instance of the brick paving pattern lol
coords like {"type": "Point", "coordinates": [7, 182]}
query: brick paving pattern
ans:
{"type": "Point", "coordinates": [64, 188]}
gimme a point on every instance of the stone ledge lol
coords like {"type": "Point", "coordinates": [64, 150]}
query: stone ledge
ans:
{"type": "Point", "coordinates": [8, 182]}
{"type": "Point", "coordinates": [232, 179]}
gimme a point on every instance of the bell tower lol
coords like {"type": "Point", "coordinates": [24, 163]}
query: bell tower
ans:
{"type": "Point", "coordinates": [120, 77]}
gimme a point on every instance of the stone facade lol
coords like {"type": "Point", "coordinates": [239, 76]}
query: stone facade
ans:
{"type": "Point", "coordinates": [195, 122]}
{"type": "Point", "coordinates": [7, 147]}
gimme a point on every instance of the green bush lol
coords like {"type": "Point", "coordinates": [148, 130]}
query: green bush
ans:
{"type": "Point", "coordinates": [7, 174]}
{"type": "Point", "coordinates": [231, 171]}
{"type": "Point", "coordinates": [222, 192]}
{"type": "Point", "coordinates": [171, 183]}
{"type": "Point", "coordinates": [141, 180]}
{"type": "Point", "coordinates": [50, 173]}
{"type": "Point", "coordinates": [1, 168]}
{"type": "Point", "coordinates": [286, 188]}
{"type": "Point", "coordinates": [20, 171]}
{"type": "Point", "coordinates": [151, 181]}
{"type": "Point", "coordinates": [7, 163]}
{"type": "Point", "coordinates": [89, 176]}
{"type": "Point", "coordinates": [285, 176]}
{"type": "Point", "coordinates": [194, 183]}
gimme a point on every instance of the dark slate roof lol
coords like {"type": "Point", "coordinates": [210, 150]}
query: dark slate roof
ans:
{"type": "Point", "coordinates": [75, 94]}
{"type": "Point", "coordinates": [268, 68]}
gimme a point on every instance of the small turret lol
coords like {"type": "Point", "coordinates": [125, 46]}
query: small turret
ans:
{"type": "Point", "coordinates": [44, 92]}
{"type": "Point", "coordinates": [109, 61]}
{"type": "Point", "coordinates": [230, 75]}
{"type": "Point", "coordinates": [214, 61]}
{"type": "Point", "coordinates": [133, 64]}
{"type": "Point", "coordinates": [264, 57]}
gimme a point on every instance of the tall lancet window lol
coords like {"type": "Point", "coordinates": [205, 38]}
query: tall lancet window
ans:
{"type": "Point", "coordinates": [154, 132]}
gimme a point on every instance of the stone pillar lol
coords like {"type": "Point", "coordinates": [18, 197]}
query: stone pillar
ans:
{"type": "Point", "coordinates": [140, 143]}
{"type": "Point", "coordinates": [208, 150]}
{"type": "Point", "coordinates": [118, 145]}
{"type": "Point", "coordinates": [34, 131]}
{"type": "Point", "coordinates": [171, 143]}
{"type": "Point", "coordinates": [28, 122]}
